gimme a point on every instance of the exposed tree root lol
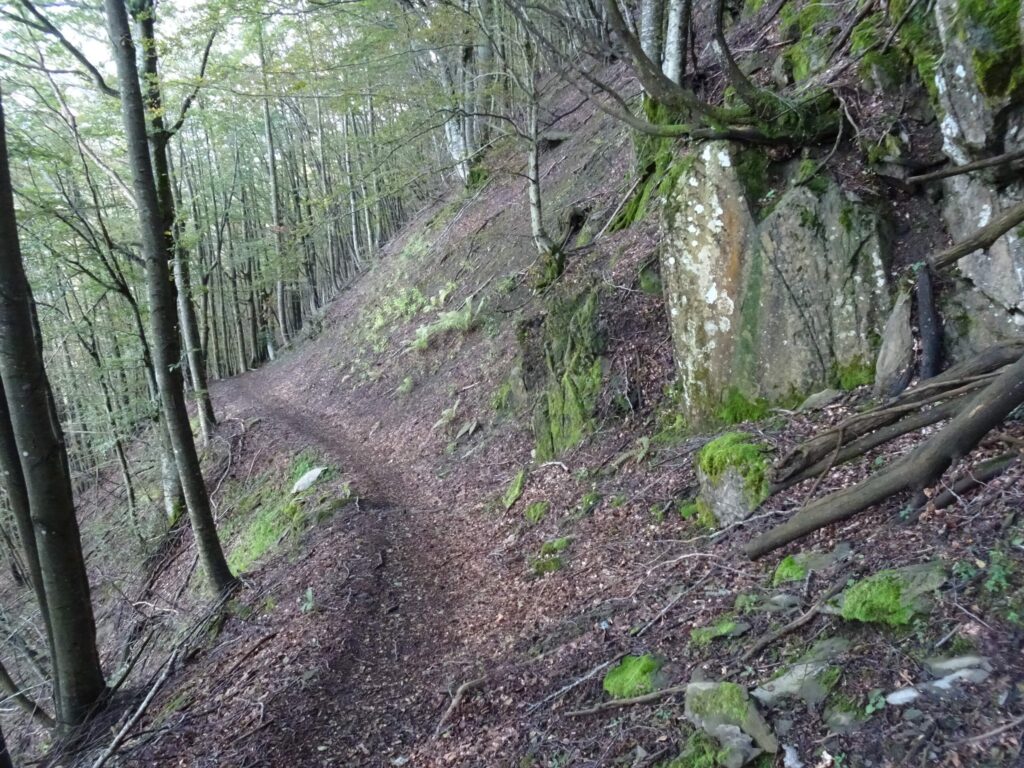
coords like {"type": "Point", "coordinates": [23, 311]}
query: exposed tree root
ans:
{"type": "Point", "coordinates": [460, 694]}
{"type": "Point", "coordinates": [917, 470]}
{"type": "Point", "coordinates": [647, 698]}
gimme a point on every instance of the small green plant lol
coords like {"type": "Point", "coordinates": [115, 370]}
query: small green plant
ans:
{"type": "Point", "coordinates": [406, 386]}
{"type": "Point", "coordinates": [587, 503]}
{"type": "Point", "coordinates": [307, 603]}
{"type": "Point", "coordinates": [514, 490]}
{"type": "Point", "coordinates": [618, 501]}
{"type": "Point", "coordinates": [789, 569]}
{"type": "Point", "coordinates": [633, 676]}
{"type": "Point", "coordinates": [535, 511]}
{"type": "Point", "coordinates": [876, 702]}
{"type": "Point", "coordinates": [746, 603]}
{"type": "Point", "coordinates": [999, 570]}
{"type": "Point", "coordinates": [545, 565]}
{"type": "Point", "coordinates": [448, 416]}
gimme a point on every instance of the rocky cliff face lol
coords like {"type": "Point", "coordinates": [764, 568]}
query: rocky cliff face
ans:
{"type": "Point", "coordinates": [979, 84]}
{"type": "Point", "coordinates": [777, 290]}
{"type": "Point", "coordinates": [775, 308]}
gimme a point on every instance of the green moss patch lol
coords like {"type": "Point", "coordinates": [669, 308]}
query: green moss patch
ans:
{"type": "Point", "coordinates": [514, 490]}
{"type": "Point", "coordinates": [633, 676]}
{"type": "Point", "coordinates": [726, 700]}
{"type": "Point", "coordinates": [555, 546]}
{"type": "Point", "coordinates": [891, 597]}
{"type": "Point", "coordinates": [726, 627]}
{"type": "Point", "coordinates": [991, 28]}
{"type": "Point", "coordinates": [737, 407]}
{"type": "Point", "coordinates": [789, 569]}
{"type": "Point", "coordinates": [854, 373]}
{"type": "Point", "coordinates": [737, 451]}
{"type": "Point", "coordinates": [572, 347]}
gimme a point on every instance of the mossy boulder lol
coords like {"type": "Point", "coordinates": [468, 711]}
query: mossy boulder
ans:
{"type": "Point", "coordinates": [701, 637]}
{"type": "Point", "coordinates": [770, 295]}
{"type": "Point", "coordinates": [724, 711]}
{"type": "Point", "coordinates": [568, 400]}
{"type": "Point", "coordinates": [733, 475]}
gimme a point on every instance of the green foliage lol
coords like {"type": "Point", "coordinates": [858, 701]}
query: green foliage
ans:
{"type": "Point", "coordinates": [999, 570]}
{"type": "Point", "coordinates": [572, 345]}
{"type": "Point", "coordinates": [501, 400]}
{"type": "Point", "coordinates": [788, 570]}
{"type": "Point", "coordinates": [515, 489]}
{"type": "Point", "coordinates": [555, 546]}
{"type": "Point", "coordinates": [649, 280]}
{"type": "Point", "coordinates": [633, 676]}
{"type": "Point", "coordinates": [737, 407]}
{"type": "Point", "coordinates": [688, 510]}
{"type": "Point", "coordinates": [462, 320]}
{"type": "Point", "coordinates": [876, 702]}
{"type": "Point", "coordinates": [536, 510]}
{"type": "Point", "coordinates": [738, 451]}
{"type": "Point", "coordinates": [407, 304]}
{"type": "Point", "coordinates": [587, 503]}
{"type": "Point", "coordinates": [878, 598]}
{"type": "Point", "coordinates": [855, 373]}
{"type": "Point", "coordinates": [746, 603]}
{"type": "Point", "coordinates": [702, 636]}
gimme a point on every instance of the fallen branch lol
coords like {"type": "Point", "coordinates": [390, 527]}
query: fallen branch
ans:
{"type": "Point", "coordinates": [798, 622]}
{"type": "Point", "coordinates": [647, 698]}
{"type": "Point", "coordinates": [460, 694]}
{"type": "Point", "coordinates": [915, 471]}
{"type": "Point", "coordinates": [575, 683]}
{"type": "Point", "coordinates": [983, 473]}
{"type": "Point", "coordinates": [977, 165]}
{"type": "Point", "coordinates": [139, 712]}
{"type": "Point", "coordinates": [981, 239]}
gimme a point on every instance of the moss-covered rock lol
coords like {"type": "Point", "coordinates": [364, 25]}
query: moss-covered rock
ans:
{"type": "Point", "coordinates": [892, 597]}
{"type": "Point", "coordinates": [633, 676]}
{"type": "Point", "coordinates": [724, 711]}
{"type": "Point", "coordinates": [701, 637]}
{"type": "Point", "coordinates": [568, 402]}
{"type": "Point", "coordinates": [514, 490]}
{"type": "Point", "coordinates": [733, 475]}
{"type": "Point", "coordinates": [768, 302]}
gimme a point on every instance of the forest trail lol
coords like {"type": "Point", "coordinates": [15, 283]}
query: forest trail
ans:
{"type": "Point", "coordinates": [366, 671]}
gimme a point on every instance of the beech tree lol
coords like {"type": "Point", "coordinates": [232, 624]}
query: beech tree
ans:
{"type": "Point", "coordinates": [40, 479]}
{"type": "Point", "coordinates": [156, 227]}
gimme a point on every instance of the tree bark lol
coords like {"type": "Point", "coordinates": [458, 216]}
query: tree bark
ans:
{"type": "Point", "coordinates": [46, 476]}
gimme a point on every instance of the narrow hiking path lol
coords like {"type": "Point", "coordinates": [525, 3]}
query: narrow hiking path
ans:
{"type": "Point", "coordinates": [397, 583]}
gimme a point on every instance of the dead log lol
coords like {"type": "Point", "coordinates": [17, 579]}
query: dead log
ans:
{"type": "Point", "coordinates": [804, 460]}
{"type": "Point", "coordinates": [917, 470]}
{"type": "Point", "coordinates": [872, 440]}
{"type": "Point", "coordinates": [929, 325]}
{"type": "Point", "coordinates": [985, 472]}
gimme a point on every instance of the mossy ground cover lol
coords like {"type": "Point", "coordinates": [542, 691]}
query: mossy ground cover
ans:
{"type": "Point", "coordinates": [267, 514]}
{"type": "Point", "coordinates": [633, 676]}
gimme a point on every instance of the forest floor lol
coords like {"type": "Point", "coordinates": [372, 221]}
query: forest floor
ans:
{"type": "Point", "coordinates": [410, 608]}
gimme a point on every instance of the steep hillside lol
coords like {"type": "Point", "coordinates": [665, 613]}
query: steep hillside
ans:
{"type": "Point", "coordinates": [511, 559]}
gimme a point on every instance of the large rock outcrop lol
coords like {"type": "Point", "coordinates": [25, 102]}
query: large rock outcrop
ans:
{"type": "Point", "coordinates": [979, 85]}
{"type": "Point", "coordinates": [774, 308]}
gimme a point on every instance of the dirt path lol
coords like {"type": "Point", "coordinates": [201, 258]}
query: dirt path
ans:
{"type": "Point", "coordinates": [361, 680]}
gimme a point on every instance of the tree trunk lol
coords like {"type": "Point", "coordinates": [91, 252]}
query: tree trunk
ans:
{"type": "Point", "coordinates": [46, 476]}
{"type": "Point", "coordinates": [158, 249]}
{"type": "Point", "coordinates": [193, 347]}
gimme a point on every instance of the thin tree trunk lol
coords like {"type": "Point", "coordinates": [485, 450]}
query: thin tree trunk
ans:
{"type": "Point", "coordinates": [32, 420]}
{"type": "Point", "coordinates": [158, 250]}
